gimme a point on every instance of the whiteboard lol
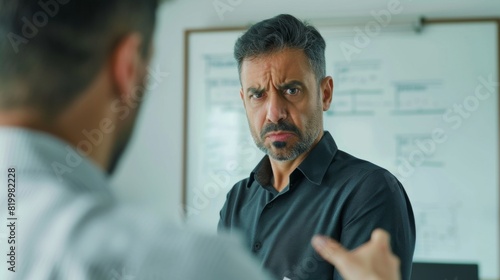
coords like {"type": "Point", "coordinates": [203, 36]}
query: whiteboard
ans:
{"type": "Point", "coordinates": [423, 105]}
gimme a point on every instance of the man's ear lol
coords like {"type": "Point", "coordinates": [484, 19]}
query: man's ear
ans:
{"type": "Point", "coordinates": [126, 63]}
{"type": "Point", "coordinates": [326, 92]}
{"type": "Point", "coordinates": [242, 96]}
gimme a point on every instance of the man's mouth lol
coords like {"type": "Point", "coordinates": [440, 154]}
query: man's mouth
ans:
{"type": "Point", "coordinates": [280, 136]}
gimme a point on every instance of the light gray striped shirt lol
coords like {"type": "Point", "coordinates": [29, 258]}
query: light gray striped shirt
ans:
{"type": "Point", "coordinates": [66, 224]}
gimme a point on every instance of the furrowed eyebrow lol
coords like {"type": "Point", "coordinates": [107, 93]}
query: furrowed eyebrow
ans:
{"type": "Point", "coordinates": [291, 84]}
{"type": "Point", "coordinates": [253, 90]}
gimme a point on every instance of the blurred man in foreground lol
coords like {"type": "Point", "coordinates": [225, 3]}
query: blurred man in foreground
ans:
{"type": "Point", "coordinates": [72, 77]}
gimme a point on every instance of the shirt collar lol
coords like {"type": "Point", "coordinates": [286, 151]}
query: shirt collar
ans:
{"type": "Point", "coordinates": [39, 152]}
{"type": "Point", "coordinates": [318, 161]}
{"type": "Point", "coordinates": [262, 173]}
{"type": "Point", "coordinates": [313, 167]}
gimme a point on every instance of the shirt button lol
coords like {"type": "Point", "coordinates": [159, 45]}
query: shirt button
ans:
{"type": "Point", "coordinates": [269, 205]}
{"type": "Point", "coordinates": [257, 246]}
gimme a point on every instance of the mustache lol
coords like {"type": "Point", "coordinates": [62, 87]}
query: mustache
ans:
{"type": "Point", "coordinates": [280, 126]}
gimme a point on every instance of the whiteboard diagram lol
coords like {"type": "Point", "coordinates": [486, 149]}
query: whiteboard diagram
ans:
{"type": "Point", "coordinates": [419, 97]}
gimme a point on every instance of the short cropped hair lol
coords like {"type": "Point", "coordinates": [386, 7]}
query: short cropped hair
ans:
{"type": "Point", "coordinates": [281, 32]}
{"type": "Point", "coordinates": [51, 50]}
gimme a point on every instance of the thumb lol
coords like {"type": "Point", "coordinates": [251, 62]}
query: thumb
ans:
{"type": "Point", "coordinates": [382, 238]}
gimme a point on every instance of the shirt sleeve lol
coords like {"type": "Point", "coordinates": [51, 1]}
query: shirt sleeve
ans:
{"type": "Point", "coordinates": [379, 201]}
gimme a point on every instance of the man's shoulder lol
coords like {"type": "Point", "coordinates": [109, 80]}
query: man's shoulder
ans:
{"type": "Point", "coordinates": [362, 171]}
{"type": "Point", "coordinates": [348, 162]}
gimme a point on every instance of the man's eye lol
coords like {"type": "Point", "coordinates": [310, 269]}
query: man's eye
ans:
{"type": "Point", "coordinates": [292, 91]}
{"type": "Point", "coordinates": [256, 95]}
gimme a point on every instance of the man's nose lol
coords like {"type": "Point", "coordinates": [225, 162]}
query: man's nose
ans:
{"type": "Point", "coordinates": [276, 108]}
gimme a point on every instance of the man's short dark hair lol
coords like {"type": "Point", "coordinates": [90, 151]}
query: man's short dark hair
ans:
{"type": "Point", "coordinates": [281, 32]}
{"type": "Point", "coordinates": [51, 50]}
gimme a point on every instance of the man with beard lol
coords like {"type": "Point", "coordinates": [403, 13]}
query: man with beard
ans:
{"type": "Point", "coordinates": [304, 185]}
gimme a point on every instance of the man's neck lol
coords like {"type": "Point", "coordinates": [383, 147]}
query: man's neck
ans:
{"type": "Point", "coordinates": [283, 169]}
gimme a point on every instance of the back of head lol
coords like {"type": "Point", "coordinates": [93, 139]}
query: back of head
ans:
{"type": "Point", "coordinates": [51, 50]}
{"type": "Point", "coordinates": [278, 33]}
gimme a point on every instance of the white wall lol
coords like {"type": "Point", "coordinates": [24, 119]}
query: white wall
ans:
{"type": "Point", "coordinates": [151, 172]}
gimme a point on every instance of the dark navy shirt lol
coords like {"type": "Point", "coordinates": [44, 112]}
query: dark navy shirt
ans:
{"type": "Point", "coordinates": [330, 193]}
